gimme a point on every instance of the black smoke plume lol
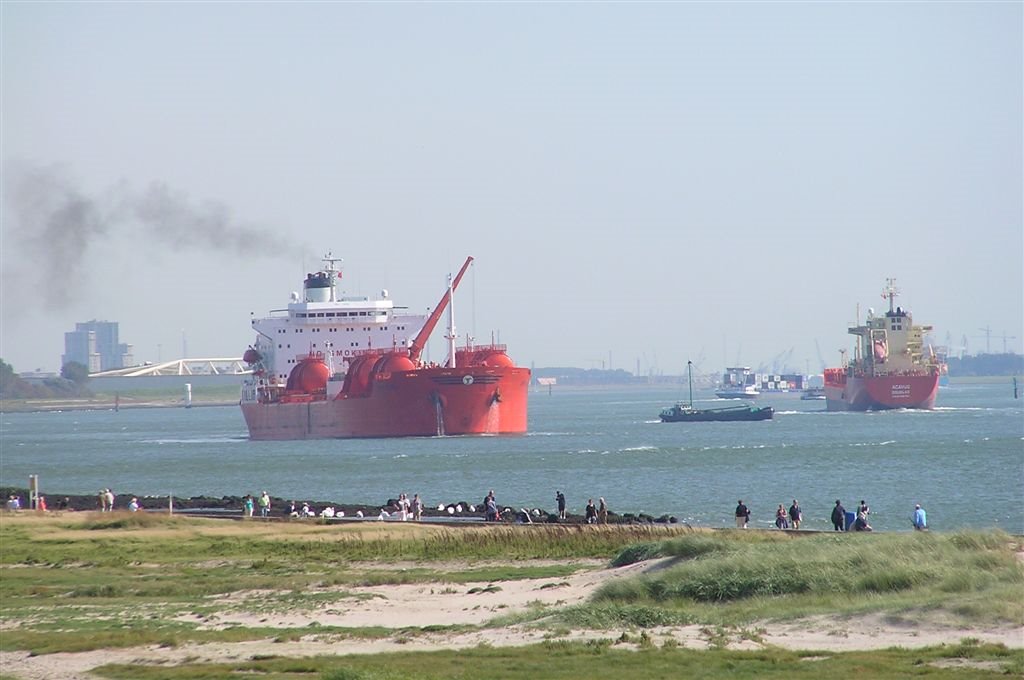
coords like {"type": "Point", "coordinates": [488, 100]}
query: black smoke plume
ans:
{"type": "Point", "coordinates": [56, 229]}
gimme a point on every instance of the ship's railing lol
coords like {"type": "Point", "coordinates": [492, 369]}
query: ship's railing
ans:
{"type": "Point", "coordinates": [481, 348]}
{"type": "Point", "coordinates": [380, 351]}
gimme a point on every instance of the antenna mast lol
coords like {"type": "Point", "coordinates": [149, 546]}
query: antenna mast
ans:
{"type": "Point", "coordinates": [890, 292]}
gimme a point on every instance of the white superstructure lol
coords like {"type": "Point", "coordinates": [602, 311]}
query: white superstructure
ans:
{"type": "Point", "coordinates": [332, 325]}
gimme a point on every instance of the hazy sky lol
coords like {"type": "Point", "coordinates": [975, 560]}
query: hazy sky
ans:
{"type": "Point", "coordinates": [638, 182]}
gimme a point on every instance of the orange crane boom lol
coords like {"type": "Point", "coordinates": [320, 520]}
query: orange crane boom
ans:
{"type": "Point", "coordinates": [416, 348]}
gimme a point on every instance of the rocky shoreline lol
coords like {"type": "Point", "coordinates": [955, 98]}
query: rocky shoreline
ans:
{"type": "Point", "coordinates": [231, 507]}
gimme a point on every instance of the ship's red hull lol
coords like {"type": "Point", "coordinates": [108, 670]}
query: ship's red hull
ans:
{"type": "Point", "coordinates": [420, 403]}
{"type": "Point", "coordinates": [851, 393]}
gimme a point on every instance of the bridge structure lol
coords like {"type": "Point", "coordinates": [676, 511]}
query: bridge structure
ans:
{"type": "Point", "coordinates": [179, 367]}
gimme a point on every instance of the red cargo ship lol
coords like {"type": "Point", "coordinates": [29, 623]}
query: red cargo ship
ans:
{"type": "Point", "coordinates": [331, 366]}
{"type": "Point", "coordinates": [890, 367]}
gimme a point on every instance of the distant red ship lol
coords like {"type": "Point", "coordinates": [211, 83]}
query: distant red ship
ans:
{"type": "Point", "coordinates": [891, 367]}
{"type": "Point", "coordinates": [331, 366]}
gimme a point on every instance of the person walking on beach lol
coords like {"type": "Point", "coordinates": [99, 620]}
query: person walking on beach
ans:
{"type": "Point", "coordinates": [264, 505]}
{"type": "Point", "coordinates": [920, 518]}
{"type": "Point", "coordinates": [417, 507]}
{"type": "Point", "coordinates": [781, 519]}
{"type": "Point", "coordinates": [742, 515]}
{"type": "Point", "coordinates": [248, 506]}
{"type": "Point", "coordinates": [602, 511]}
{"type": "Point", "coordinates": [796, 515]}
{"type": "Point", "coordinates": [839, 517]}
{"type": "Point", "coordinates": [560, 499]}
{"type": "Point", "coordinates": [110, 500]}
{"type": "Point", "coordinates": [591, 514]}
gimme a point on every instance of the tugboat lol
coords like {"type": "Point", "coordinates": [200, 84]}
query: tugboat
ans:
{"type": "Point", "coordinates": [686, 413]}
{"type": "Point", "coordinates": [813, 394]}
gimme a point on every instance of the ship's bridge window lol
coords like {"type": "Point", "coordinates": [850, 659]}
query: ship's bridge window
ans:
{"type": "Point", "coordinates": [330, 313]}
{"type": "Point", "coordinates": [362, 313]}
{"type": "Point", "coordinates": [320, 314]}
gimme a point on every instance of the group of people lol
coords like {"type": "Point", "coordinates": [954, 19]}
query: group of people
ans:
{"type": "Point", "coordinates": [793, 517]}
{"type": "Point", "coordinates": [14, 503]}
{"type": "Point", "coordinates": [106, 500]}
{"type": "Point", "coordinates": [592, 514]}
{"type": "Point", "coordinates": [860, 522]}
{"type": "Point", "coordinates": [410, 508]}
{"type": "Point", "coordinates": [249, 505]}
{"type": "Point", "coordinates": [785, 519]}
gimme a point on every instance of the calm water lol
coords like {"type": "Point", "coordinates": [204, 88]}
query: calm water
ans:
{"type": "Point", "coordinates": [964, 462]}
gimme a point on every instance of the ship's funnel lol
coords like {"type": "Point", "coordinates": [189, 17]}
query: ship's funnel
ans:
{"type": "Point", "coordinates": [318, 287]}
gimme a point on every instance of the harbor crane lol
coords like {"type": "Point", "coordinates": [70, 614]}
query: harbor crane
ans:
{"type": "Point", "coordinates": [821, 360]}
{"type": "Point", "coordinates": [781, 360]}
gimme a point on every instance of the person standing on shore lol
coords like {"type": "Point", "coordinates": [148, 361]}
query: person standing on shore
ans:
{"type": "Point", "coordinates": [796, 515]}
{"type": "Point", "coordinates": [781, 521]}
{"type": "Point", "coordinates": [264, 505]}
{"type": "Point", "coordinates": [920, 518]}
{"type": "Point", "coordinates": [417, 507]}
{"type": "Point", "coordinates": [591, 513]}
{"type": "Point", "coordinates": [602, 511]}
{"type": "Point", "coordinates": [110, 500]}
{"type": "Point", "coordinates": [492, 514]}
{"type": "Point", "coordinates": [839, 517]}
{"type": "Point", "coordinates": [248, 506]}
{"type": "Point", "coordinates": [560, 500]}
{"type": "Point", "coordinates": [742, 515]}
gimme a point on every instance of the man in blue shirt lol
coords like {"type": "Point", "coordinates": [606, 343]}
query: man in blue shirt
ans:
{"type": "Point", "coordinates": [920, 518]}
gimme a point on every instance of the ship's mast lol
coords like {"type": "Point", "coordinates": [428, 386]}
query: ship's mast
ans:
{"type": "Point", "coordinates": [451, 325]}
{"type": "Point", "coordinates": [689, 375]}
{"type": "Point", "coordinates": [890, 292]}
{"type": "Point", "coordinates": [332, 272]}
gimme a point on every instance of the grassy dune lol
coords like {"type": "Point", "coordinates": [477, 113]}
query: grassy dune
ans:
{"type": "Point", "coordinates": [971, 576]}
{"type": "Point", "coordinates": [86, 581]}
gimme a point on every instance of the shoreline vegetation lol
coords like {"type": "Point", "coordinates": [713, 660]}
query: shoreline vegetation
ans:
{"type": "Point", "coordinates": [148, 596]}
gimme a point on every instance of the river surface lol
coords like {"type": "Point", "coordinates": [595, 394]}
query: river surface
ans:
{"type": "Point", "coordinates": [964, 461]}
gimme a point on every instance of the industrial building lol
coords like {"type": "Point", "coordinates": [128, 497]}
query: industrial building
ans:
{"type": "Point", "coordinates": [94, 344]}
